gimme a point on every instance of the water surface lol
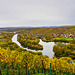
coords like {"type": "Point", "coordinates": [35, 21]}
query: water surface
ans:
{"type": "Point", "coordinates": [47, 47]}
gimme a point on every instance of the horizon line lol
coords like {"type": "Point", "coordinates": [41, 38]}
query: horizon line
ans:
{"type": "Point", "coordinates": [36, 26]}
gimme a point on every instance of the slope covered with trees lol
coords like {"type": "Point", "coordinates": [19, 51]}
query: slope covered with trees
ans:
{"type": "Point", "coordinates": [27, 40]}
{"type": "Point", "coordinates": [25, 61]}
{"type": "Point", "coordinates": [64, 50]}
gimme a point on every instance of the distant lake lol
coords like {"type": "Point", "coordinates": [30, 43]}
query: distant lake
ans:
{"type": "Point", "coordinates": [47, 47]}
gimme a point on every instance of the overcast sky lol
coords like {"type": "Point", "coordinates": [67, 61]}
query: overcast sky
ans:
{"type": "Point", "coordinates": [37, 13]}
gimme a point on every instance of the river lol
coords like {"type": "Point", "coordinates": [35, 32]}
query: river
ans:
{"type": "Point", "coordinates": [47, 47]}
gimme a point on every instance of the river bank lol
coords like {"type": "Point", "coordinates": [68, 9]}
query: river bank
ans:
{"type": "Point", "coordinates": [47, 47]}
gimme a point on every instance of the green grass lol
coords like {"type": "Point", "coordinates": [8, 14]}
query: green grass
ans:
{"type": "Point", "coordinates": [40, 74]}
{"type": "Point", "coordinates": [68, 39]}
{"type": "Point", "coordinates": [23, 72]}
{"type": "Point", "coordinates": [54, 74]}
{"type": "Point", "coordinates": [1, 36]}
{"type": "Point", "coordinates": [3, 42]}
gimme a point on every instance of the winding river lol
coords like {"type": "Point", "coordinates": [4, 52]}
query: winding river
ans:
{"type": "Point", "coordinates": [47, 47]}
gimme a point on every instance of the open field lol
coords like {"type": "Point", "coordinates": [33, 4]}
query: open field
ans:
{"type": "Point", "coordinates": [3, 41]}
{"type": "Point", "coordinates": [68, 39]}
{"type": "Point", "coordinates": [1, 36]}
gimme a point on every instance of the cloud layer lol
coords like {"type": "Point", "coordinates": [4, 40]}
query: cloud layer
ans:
{"type": "Point", "coordinates": [36, 12]}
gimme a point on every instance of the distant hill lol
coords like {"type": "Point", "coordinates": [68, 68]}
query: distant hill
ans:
{"type": "Point", "coordinates": [33, 27]}
{"type": "Point", "coordinates": [52, 30]}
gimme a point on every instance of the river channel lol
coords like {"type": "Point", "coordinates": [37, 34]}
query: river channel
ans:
{"type": "Point", "coordinates": [47, 47]}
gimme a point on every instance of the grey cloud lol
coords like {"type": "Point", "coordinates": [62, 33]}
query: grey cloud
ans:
{"type": "Point", "coordinates": [36, 12]}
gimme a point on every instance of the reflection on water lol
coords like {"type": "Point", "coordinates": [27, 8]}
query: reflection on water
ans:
{"type": "Point", "coordinates": [47, 47]}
